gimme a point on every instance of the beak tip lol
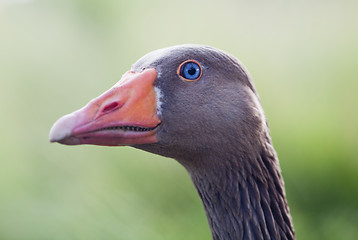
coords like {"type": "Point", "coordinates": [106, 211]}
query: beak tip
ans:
{"type": "Point", "coordinates": [61, 129]}
{"type": "Point", "coordinates": [57, 133]}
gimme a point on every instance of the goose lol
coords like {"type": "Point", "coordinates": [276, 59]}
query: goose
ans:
{"type": "Point", "coordinates": [198, 105]}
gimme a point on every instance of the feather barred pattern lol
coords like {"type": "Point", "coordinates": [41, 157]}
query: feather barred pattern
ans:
{"type": "Point", "coordinates": [249, 206]}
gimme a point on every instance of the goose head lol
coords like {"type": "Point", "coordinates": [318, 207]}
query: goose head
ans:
{"type": "Point", "coordinates": [196, 104]}
{"type": "Point", "coordinates": [177, 101]}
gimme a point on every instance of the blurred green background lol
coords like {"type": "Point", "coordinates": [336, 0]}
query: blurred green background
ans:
{"type": "Point", "coordinates": [57, 55]}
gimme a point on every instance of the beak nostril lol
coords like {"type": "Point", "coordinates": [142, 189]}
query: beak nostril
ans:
{"type": "Point", "coordinates": [110, 107]}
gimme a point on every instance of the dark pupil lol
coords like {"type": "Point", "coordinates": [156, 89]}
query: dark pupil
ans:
{"type": "Point", "coordinates": [192, 71]}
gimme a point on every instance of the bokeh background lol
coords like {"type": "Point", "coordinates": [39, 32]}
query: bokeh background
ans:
{"type": "Point", "coordinates": [57, 55]}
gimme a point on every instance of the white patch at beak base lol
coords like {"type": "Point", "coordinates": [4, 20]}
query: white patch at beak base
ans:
{"type": "Point", "coordinates": [159, 98]}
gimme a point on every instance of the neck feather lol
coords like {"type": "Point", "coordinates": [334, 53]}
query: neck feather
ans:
{"type": "Point", "coordinates": [244, 197]}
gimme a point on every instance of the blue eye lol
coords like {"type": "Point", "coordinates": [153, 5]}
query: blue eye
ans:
{"type": "Point", "coordinates": [190, 70]}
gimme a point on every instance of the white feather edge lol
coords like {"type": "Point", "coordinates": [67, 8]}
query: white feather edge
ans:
{"type": "Point", "coordinates": [159, 98]}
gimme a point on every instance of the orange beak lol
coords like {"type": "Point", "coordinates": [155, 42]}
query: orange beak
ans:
{"type": "Point", "coordinates": [126, 114]}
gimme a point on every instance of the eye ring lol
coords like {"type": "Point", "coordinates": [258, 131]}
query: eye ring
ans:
{"type": "Point", "coordinates": [190, 70]}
